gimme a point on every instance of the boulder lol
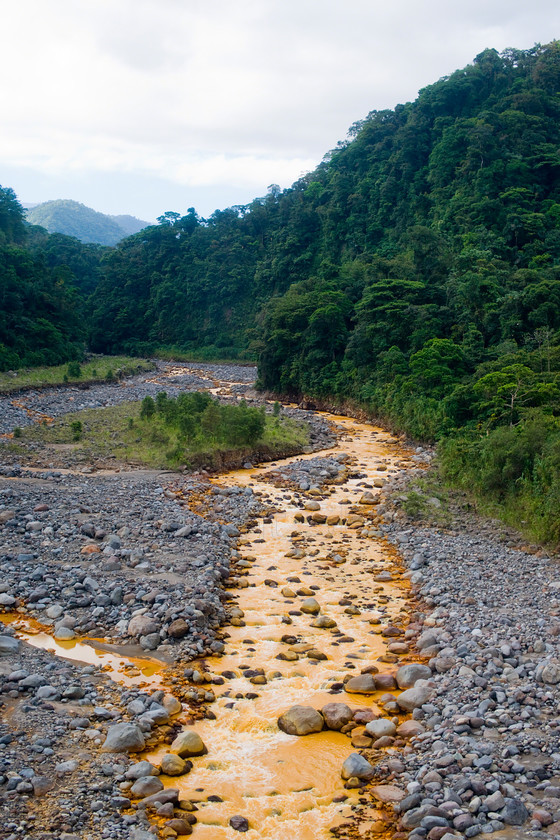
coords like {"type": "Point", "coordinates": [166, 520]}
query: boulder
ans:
{"type": "Point", "coordinates": [239, 823]}
{"type": "Point", "coordinates": [361, 684]}
{"type": "Point", "coordinates": [146, 786]}
{"type": "Point", "coordinates": [301, 720]}
{"type": "Point", "coordinates": [178, 629]}
{"type": "Point", "coordinates": [357, 766]}
{"type": "Point", "coordinates": [385, 682]}
{"type": "Point", "coordinates": [408, 675]}
{"type": "Point", "coordinates": [188, 743]}
{"type": "Point", "coordinates": [380, 727]}
{"type": "Point", "coordinates": [8, 644]}
{"type": "Point", "coordinates": [514, 812]}
{"type": "Point", "coordinates": [310, 606]}
{"type": "Point", "coordinates": [141, 625]}
{"type": "Point", "coordinates": [123, 738]}
{"type": "Point", "coordinates": [174, 765]}
{"type": "Point", "coordinates": [336, 715]}
{"type": "Point", "coordinates": [415, 697]}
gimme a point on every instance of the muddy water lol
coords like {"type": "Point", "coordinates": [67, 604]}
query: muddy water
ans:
{"type": "Point", "coordinates": [283, 784]}
{"type": "Point", "coordinates": [120, 664]}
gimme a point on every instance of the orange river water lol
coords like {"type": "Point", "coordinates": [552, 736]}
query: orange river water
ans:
{"type": "Point", "coordinates": [283, 784]}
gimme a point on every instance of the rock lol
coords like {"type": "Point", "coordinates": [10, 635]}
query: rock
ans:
{"type": "Point", "coordinates": [407, 675]}
{"type": "Point", "coordinates": [362, 684]}
{"type": "Point", "coordinates": [379, 728]}
{"type": "Point", "coordinates": [41, 785]}
{"type": "Point", "coordinates": [239, 823]}
{"type": "Point", "coordinates": [146, 786]}
{"type": "Point", "coordinates": [8, 644]}
{"type": "Point", "coordinates": [188, 743]}
{"type": "Point", "coordinates": [385, 682]}
{"type": "Point", "coordinates": [173, 765]}
{"type": "Point", "coordinates": [310, 606]}
{"type": "Point", "coordinates": [6, 600]}
{"type": "Point", "coordinates": [179, 826]}
{"type": "Point", "coordinates": [323, 622]}
{"type": "Point", "coordinates": [388, 793]}
{"type": "Point", "coordinates": [514, 812]}
{"type": "Point", "coordinates": [141, 625]}
{"type": "Point", "coordinates": [548, 672]}
{"type": "Point", "coordinates": [124, 737]}
{"type": "Point", "coordinates": [301, 720]}
{"type": "Point", "coordinates": [65, 634]}
{"type": "Point", "coordinates": [336, 715]}
{"type": "Point", "coordinates": [356, 765]}
{"type": "Point", "coordinates": [410, 728]}
{"type": "Point", "coordinates": [166, 795]}
{"type": "Point", "coordinates": [178, 629]}
{"type": "Point", "coordinates": [140, 769]}
{"type": "Point", "coordinates": [415, 697]}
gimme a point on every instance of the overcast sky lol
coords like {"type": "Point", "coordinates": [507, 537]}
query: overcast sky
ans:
{"type": "Point", "coordinates": [142, 106]}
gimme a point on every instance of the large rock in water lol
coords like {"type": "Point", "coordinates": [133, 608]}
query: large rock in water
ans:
{"type": "Point", "coordinates": [301, 720]}
{"type": "Point", "coordinates": [362, 684]}
{"type": "Point", "coordinates": [188, 743]}
{"type": "Point", "coordinates": [336, 715]}
{"type": "Point", "coordinates": [407, 675]}
{"type": "Point", "coordinates": [356, 765]}
{"type": "Point", "coordinates": [124, 737]}
{"type": "Point", "coordinates": [146, 786]}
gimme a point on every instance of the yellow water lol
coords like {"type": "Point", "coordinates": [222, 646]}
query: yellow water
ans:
{"type": "Point", "coordinates": [121, 666]}
{"type": "Point", "coordinates": [283, 784]}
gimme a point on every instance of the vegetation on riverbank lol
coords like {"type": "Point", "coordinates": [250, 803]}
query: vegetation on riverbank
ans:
{"type": "Point", "coordinates": [194, 430]}
{"type": "Point", "coordinates": [98, 369]}
{"type": "Point", "coordinates": [415, 272]}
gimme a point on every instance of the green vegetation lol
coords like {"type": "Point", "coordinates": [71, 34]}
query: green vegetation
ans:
{"type": "Point", "coordinates": [415, 272]}
{"type": "Point", "coordinates": [97, 369]}
{"type": "Point", "coordinates": [192, 430]}
{"type": "Point", "coordinates": [83, 223]}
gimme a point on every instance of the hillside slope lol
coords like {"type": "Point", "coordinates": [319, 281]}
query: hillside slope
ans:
{"type": "Point", "coordinates": [87, 225]}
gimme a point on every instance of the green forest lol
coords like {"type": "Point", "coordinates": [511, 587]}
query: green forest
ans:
{"type": "Point", "coordinates": [415, 273]}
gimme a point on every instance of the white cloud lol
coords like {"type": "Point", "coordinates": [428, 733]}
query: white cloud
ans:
{"type": "Point", "coordinates": [243, 93]}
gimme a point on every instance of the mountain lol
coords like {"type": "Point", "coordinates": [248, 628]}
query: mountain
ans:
{"type": "Point", "coordinates": [87, 225]}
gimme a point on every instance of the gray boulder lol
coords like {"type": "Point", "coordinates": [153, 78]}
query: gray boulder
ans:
{"type": "Point", "coordinates": [124, 737]}
{"type": "Point", "coordinates": [357, 766]}
{"type": "Point", "coordinates": [8, 644]}
{"type": "Point", "coordinates": [146, 786]}
{"type": "Point", "coordinates": [415, 697]}
{"type": "Point", "coordinates": [409, 674]}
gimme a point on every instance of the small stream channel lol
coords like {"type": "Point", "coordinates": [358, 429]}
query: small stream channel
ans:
{"type": "Point", "coordinates": [289, 787]}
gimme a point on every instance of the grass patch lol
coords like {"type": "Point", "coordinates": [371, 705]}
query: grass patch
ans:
{"type": "Point", "coordinates": [214, 355]}
{"type": "Point", "coordinates": [119, 432]}
{"type": "Point", "coordinates": [99, 369]}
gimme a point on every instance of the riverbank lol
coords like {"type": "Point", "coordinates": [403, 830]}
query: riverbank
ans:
{"type": "Point", "coordinates": [148, 562]}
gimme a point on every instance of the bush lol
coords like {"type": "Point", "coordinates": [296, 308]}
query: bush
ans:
{"type": "Point", "coordinates": [74, 370]}
{"type": "Point", "coordinates": [77, 429]}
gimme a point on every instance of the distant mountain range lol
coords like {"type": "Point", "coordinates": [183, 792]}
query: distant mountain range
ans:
{"type": "Point", "coordinates": [87, 225]}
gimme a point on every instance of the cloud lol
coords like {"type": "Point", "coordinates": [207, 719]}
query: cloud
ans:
{"type": "Point", "coordinates": [214, 91]}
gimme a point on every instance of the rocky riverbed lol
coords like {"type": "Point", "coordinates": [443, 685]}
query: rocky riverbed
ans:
{"type": "Point", "coordinates": [142, 561]}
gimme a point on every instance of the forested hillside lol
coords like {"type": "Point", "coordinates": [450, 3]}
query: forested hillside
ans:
{"type": "Point", "coordinates": [75, 219]}
{"type": "Point", "coordinates": [41, 308]}
{"type": "Point", "coordinates": [415, 272]}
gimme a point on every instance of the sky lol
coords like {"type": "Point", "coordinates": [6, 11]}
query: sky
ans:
{"type": "Point", "coordinates": [144, 106]}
